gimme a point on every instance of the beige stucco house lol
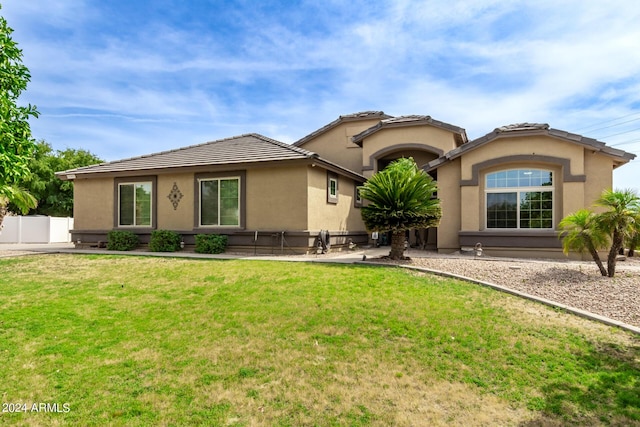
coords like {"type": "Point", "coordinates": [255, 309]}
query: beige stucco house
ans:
{"type": "Point", "coordinates": [507, 190]}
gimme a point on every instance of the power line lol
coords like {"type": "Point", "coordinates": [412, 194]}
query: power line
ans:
{"type": "Point", "coordinates": [625, 143]}
{"type": "Point", "coordinates": [612, 126]}
{"type": "Point", "coordinates": [620, 133]}
{"type": "Point", "coordinates": [607, 121]}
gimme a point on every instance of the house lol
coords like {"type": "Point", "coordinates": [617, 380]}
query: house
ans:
{"type": "Point", "coordinates": [507, 190]}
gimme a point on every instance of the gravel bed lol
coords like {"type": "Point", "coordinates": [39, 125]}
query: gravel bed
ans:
{"type": "Point", "coordinates": [576, 284]}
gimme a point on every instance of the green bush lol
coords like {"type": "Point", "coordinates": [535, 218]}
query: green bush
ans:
{"type": "Point", "coordinates": [164, 241]}
{"type": "Point", "coordinates": [211, 243]}
{"type": "Point", "coordinates": [121, 240]}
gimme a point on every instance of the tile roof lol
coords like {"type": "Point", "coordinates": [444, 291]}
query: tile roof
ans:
{"type": "Point", "coordinates": [528, 129]}
{"type": "Point", "coordinates": [249, 148]}
{"type": "Point", "coordinates": [411, 120]}
{"type": "Point", "coordinates": [363, 115]}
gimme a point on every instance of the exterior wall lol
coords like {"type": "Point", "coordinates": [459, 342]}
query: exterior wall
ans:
{"type": "Point", "coordinates": [335, 145]}
{"type": "Point", "coordinates": [181, 217]}
{"type": "Point", "coordinates": [93, 204]}
{"type": "Point", "coordinates": [340, 217]}
{"type": "Point", "coordinates": [599, 171]}
{"type": "Point", "coordinates": [277, 198]}
{"type": "Point", "coordinates": [570, 170]}
{"type": "Point", "coordinates": [452, 201]}
{"type": "Point", "coordinates": [530, 146]}
{"type": "Point", "coordinates": [381, 143]}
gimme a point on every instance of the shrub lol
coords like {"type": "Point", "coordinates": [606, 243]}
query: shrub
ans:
{"type": "Point", "coordinates": [164, 241]}
{"type": "Point", "coordinates": [211, 243]}
{"type": "Point", "coordinates": [121, 240]}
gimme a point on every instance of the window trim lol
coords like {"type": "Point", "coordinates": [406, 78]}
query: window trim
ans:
{"type": "Point", "coordinates": [332, 177]}
{"type": "Point", "coordinates": [357, 199]}
{"type": "Point", "coordinates": [197, 214]}
{"type": "Point", "coordinates": [519, 191]}
{"type": "Point", "coordinates": [116, 198]}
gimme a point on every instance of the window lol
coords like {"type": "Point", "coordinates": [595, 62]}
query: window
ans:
{"type": "Point", "coordinates": [520, 198]}
{"type": "Point", "coordinates": [220, 202]}
{"type": "Point", "coordinates": [332, 187]}
{"type": "Point", "coordinates": [134, 201]}
{"type": "Point", "coordinates": [357, 198]}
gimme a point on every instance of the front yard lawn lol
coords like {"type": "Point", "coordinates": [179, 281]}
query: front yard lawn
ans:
{"type": "Point", "coordinates": [137, 341]}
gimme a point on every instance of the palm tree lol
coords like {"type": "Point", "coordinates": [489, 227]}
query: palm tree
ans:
{"type": "Point", "coordinates": [400, 198]}
{"type": "Point", "coordinates": [581, 235]}
{"type": "Point", "coordinates": [618, 220]}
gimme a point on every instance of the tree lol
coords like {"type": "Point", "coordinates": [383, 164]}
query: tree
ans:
{"type": "Point", "coordinates": [400, 198]}
{"type": "Point", "coordinates": [55, 197]}
{"type": "Point", "coordinates": [581, 235]}
{"type": "Point", "coordinates": [16, 143]}
{"type": "Point", "coordinates": [619, 220]}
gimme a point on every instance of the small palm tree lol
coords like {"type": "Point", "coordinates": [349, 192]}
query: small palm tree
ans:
{"type": "Point", "coordinates": [618, 220]}
{"type": "Point", "coordinates": [400, 198]}
{"type": "Point", "coordinates": [580, 234]}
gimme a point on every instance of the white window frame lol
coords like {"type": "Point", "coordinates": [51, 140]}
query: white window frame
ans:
{"type": "Point", "coordinates": [221, 178]}
{"type": "Point", "coordinates": [332, 178]}
{"type": "Point", "coordinates": [135, 224]}
{"type": "Point", "coordinates": [357, 197]}
{"type": "Point", "coordinates": [519, 190]}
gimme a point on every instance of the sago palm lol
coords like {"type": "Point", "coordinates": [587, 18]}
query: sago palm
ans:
{"type": "Point", "coordinates": [580, 234]}
{"type": "Point", "coordinates": [400, 198]}
{"type": "Point", "coordinates": [618, 220]}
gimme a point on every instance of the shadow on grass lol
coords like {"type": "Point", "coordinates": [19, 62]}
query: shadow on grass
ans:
{"type": "Point", "coordinates": [610, 397]}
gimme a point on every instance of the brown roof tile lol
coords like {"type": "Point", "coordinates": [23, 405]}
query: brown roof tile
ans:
{"type": "Point", "coordinates": [363, 115]}
{"type": "Point", "coordinates": [249, 148]}
{"type": "Point", "coordinates": [411, 120]}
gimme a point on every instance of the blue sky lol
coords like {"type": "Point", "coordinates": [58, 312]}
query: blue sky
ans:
{"type": "Point", "coordinates": [125, 78]}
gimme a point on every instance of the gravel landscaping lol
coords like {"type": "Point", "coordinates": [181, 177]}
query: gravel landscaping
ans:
{"type": "Point", "coordinates": [576, 284]}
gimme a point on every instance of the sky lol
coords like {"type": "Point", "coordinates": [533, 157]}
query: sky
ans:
{"type": "Point", "coordinates": [122, 78]}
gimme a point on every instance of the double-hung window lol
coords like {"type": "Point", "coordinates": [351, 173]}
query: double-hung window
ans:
{"type": "Point", "coordinates": [519, 199]}
{"type": "Point", "coordinates": [220, 202]}
{"type": "Point", "coordinates": [134, 204]}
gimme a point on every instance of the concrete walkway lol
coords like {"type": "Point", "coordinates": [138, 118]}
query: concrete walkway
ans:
{"type": "Point", "coordinates": [347, 257]}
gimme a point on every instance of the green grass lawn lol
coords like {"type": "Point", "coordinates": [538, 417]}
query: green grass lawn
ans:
{"type": "Point", "coordinates": [143, 341]}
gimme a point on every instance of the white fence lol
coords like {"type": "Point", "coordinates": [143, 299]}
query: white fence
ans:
{"type": "Point", "coordinates": [36, 229]}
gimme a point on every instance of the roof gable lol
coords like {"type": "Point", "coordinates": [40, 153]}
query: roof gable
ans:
{"type": "Point", "coordinates": [355, 117]}
{"type": "Point", "coordinates": [412, 120]}
{"type": "Point", "coordinates": [533, 129]}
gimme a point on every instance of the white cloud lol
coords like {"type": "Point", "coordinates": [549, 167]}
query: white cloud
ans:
{"type": "Point", "coordinates": [286, 71]}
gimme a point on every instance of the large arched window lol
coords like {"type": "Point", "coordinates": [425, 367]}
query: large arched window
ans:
{"type": "Point", "coordinates": [520, 199]}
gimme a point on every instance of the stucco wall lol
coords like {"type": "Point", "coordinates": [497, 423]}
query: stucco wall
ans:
{"type": "Point", "coordinates": [378, 143]}
{"type": "Point", "coordinates": [450, 195]}
{"type": "Point", "coordinates": [180, 218]}
{"type": "Point", "coordinates": [531, 146]}
{"type": "Point", "coordinates": [276, 198]}
{"type": "Point", "coordinates": [343, 216]}
{"type": "Point", "coordinates": [93, 204]}
{"type": "Point", "coordinates": [599, 171]}
{"type": "Point", "coordinates": [335, 145]}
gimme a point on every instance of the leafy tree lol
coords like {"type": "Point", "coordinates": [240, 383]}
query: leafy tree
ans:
{"type": "Point", "coordinates": [55, 197]}
{"type": "Point", "coordinates": [400, 198]}
{"type": "Point", "coordinates": [581, 235]}
{"type": "Point", "coordinates": [16, 143]}
{"type": "Point", "coordinates": [619, 220]}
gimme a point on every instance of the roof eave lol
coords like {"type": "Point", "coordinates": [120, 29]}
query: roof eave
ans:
{"type": "Point", "coordinates": [356, 117]}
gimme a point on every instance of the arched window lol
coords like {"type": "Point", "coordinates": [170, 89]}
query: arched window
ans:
{"type": "Point", "coordinates": [520, 199]}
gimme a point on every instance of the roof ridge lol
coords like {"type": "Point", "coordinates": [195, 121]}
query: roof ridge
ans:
{"type": "Point", "coordinates": [348, 117]}
{"type": "Point", "coordinates": [283, 144]}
